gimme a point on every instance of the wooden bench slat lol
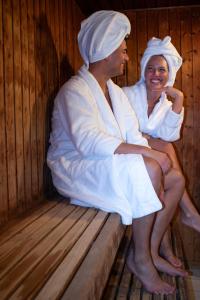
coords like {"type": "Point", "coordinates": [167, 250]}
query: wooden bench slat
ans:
{"type": "Point", "coordinates": [18, 224]}
{"type": "Point", "coordinates": [177, 243]}
{"type": "Point", "coordinates": [114, 280]}
{"type": "Point", "coordinates": [97, 263]}
{"type": "Point", "coordinates": [9, 283]}
{"type": "Point", "coordinates": [55, 286]}
{"type": "Point", "coordinates": [14, 250]}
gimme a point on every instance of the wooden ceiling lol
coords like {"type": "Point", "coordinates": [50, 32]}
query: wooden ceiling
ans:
{"type": "Point", "coordinates": [90, 6]}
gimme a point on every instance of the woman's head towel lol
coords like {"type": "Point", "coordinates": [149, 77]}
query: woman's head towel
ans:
{"type": "Point", "coordinates": [163, 47]}
{"type": "Point", "coordinates": [101, 34]}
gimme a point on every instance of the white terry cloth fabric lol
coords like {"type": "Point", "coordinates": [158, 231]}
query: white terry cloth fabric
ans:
{"type": "Point", "coordinates": [101, 34]}
{"type": "Point", "coordinates": [163, 122]}
{"type": "Point", "coordinates": [163, 47]}
{"type": "Point", "coordinates": [85, 134]}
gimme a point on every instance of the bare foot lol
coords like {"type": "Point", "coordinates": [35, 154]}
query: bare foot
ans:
{"type": "Point", "coordinates": [163, 266]}
{"type": "Point", "coordinates": [147, 274]}
{"type": "Point", "coordinates": [192, 221]}
{"type": "Point", "coordinates": [166, 252]}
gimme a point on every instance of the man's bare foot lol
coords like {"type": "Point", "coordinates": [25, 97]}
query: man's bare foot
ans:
{"type": "Point", "coordinates": [147, 274]}
{"type": "Point", "coordinates": [163, 266]}
{"type": "Point", "coordinates": [166, 252]}
{"type": "Point", "coordinates": [192, 221]}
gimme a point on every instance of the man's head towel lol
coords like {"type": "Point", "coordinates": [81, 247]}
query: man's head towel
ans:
{"type": "Point", "coordinates": [163, 47]}
{"type": "Point", "coordinates": [101, 34]}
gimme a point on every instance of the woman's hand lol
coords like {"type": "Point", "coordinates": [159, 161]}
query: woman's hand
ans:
{"type": "Point", "coordinates": [176, 97]}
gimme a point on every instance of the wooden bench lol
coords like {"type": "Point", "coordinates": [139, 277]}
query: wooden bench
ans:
{"type": "Point", "coordinates": [58, 251]}
{"type": "Point", "coordinates": [61, 251]}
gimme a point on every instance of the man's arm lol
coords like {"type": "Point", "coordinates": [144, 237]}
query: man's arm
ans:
{"type": "Point", "coordinates": [162, 158]}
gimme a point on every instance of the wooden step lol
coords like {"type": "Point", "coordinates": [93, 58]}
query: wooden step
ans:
{"type": "Point", "coordinates": [124, 285]}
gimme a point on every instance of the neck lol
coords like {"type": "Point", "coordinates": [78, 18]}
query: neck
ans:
{"type": "Point", "coordinates": [153, 96]}
{"type": "Point", "coordinates": [100, 76]}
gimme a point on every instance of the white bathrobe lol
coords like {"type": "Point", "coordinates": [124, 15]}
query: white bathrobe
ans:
{"type": "Point", "coordinates": [85, 134]}
{"type": "Point", "coordinates": [163, 122]}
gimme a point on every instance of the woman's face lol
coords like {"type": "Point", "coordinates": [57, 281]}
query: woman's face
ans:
{"type": "Point", "coordinates": [156, 73]}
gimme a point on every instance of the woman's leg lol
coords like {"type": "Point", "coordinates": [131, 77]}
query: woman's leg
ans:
{"type": "Point", "coordinates": [173, 190]}
{"type": "Point", "coordinates": [189, 214]}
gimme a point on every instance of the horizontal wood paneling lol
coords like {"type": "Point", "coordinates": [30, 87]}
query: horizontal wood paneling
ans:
{"type": "Point", "coordinates": [183, 25]}
{"type": "Point", "coordinates": [36, 59]}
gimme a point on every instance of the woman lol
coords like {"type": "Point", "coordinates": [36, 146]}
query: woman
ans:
{"type": "Point", "coordinates": [159, 119]}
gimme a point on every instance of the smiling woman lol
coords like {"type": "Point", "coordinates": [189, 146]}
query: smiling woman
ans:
{"type": "Point", "coordinates": [160, 119]}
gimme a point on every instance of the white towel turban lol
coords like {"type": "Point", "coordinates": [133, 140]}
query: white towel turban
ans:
{"type": "Point", "coordinates": [101, 34]}
{"type": "Point", "coordinates": [163, 47]}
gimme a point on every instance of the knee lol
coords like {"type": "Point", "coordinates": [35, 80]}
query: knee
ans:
{"type": "Point", "coordinates": [154, 170]}
{"type": "Point", "coordinates": [178, 178]}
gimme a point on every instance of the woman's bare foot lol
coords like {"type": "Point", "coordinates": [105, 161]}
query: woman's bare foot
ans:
{"type": "Point", "coordinates": [192, 221]}
{"type": "Point", "coordinates": [163, 266]}
{"type": "Point", "coordinates": [167, 253]}
{"type": "Point", "coordinates": [147, 274]}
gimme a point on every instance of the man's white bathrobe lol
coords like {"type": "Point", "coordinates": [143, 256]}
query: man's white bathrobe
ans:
{"type": "Point", "coordinates": [163, 122]}
{"type": "Point", "coordinates": [85, 135]}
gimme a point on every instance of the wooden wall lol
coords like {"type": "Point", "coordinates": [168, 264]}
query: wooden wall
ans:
{"type": "Point", "coordinates": [38, 52]}
{"type": "Point", "coordinates": [183, 25]}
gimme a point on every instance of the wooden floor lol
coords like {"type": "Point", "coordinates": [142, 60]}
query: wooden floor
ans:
{"type": "Point", "coordinates": [124, 285]}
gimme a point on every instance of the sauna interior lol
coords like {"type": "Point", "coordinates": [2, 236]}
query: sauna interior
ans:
{"type": "Point", "coordinates": [39, 52]}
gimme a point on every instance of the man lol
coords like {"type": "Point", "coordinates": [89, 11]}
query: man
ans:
{"type": "Point", "coordinates": [99, 158]}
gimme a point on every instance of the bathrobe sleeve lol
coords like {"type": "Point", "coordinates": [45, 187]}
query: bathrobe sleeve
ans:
{"type": "Point", "coordinates": [81, 119]}
{"type": "Point", "coordinates": [133, 134]}
{"type": "Point", "coordinates": [169, 129]}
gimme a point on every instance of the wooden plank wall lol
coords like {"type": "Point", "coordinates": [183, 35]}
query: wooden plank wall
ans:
{"type": "Point", "coordinates": [38, 53]}
{"type": "Point", "coordinates": [183, 25]}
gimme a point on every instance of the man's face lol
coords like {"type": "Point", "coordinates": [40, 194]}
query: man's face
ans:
{"type": "Point", "coordinates": [156, 73]}
{"type": "Point", "coordinates": [117, 60]}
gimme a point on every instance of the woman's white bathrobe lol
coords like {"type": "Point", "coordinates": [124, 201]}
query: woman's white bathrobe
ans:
{"type": "Point", "coordinates": [81, 156]}
{"type": "Point", "coordinates": [163, 122]}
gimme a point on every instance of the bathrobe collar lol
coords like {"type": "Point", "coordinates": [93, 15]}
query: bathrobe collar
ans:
{"type": "Point", "coordinates": [113, 120]}
{"type": "Point", "coordinates": [141, 100]}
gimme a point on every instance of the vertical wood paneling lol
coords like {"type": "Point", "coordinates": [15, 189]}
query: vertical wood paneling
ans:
{"type": "Point", "coordinates": [39, 94]}
{"type": "Point", "coordinates": [196, 104]}
{"type": "Point", "coordinates": [163, 23]}
{"type": "Point", "coordinates": [18, 101]}
{"type": "Point", "coordinates": [152, 23]}
{"type": "Point", "coordinates": [34, 50]}
{"type": "Point", "coordinates": [175, 33]}
{"type": "Point", "coordinates": [32, 99]}
{"type": "Point", "coordinates": [9, 103]}
{"type": "Point", "coordinates": [188, 129]}
{"type": "Point", "coordinates": [26, 103]}
{"type": "Point", "coordinates": [132, 72]}
{"type": "Point", "coordinates": [3, 166]}
{"type": "Point", "coordinates": [141, 35]}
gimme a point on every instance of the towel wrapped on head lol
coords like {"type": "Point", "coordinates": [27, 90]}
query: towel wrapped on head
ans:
{"type": "Point", "coordinates": [101, 34]}
{"type": "Point", "coordinates": [165, 48]}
